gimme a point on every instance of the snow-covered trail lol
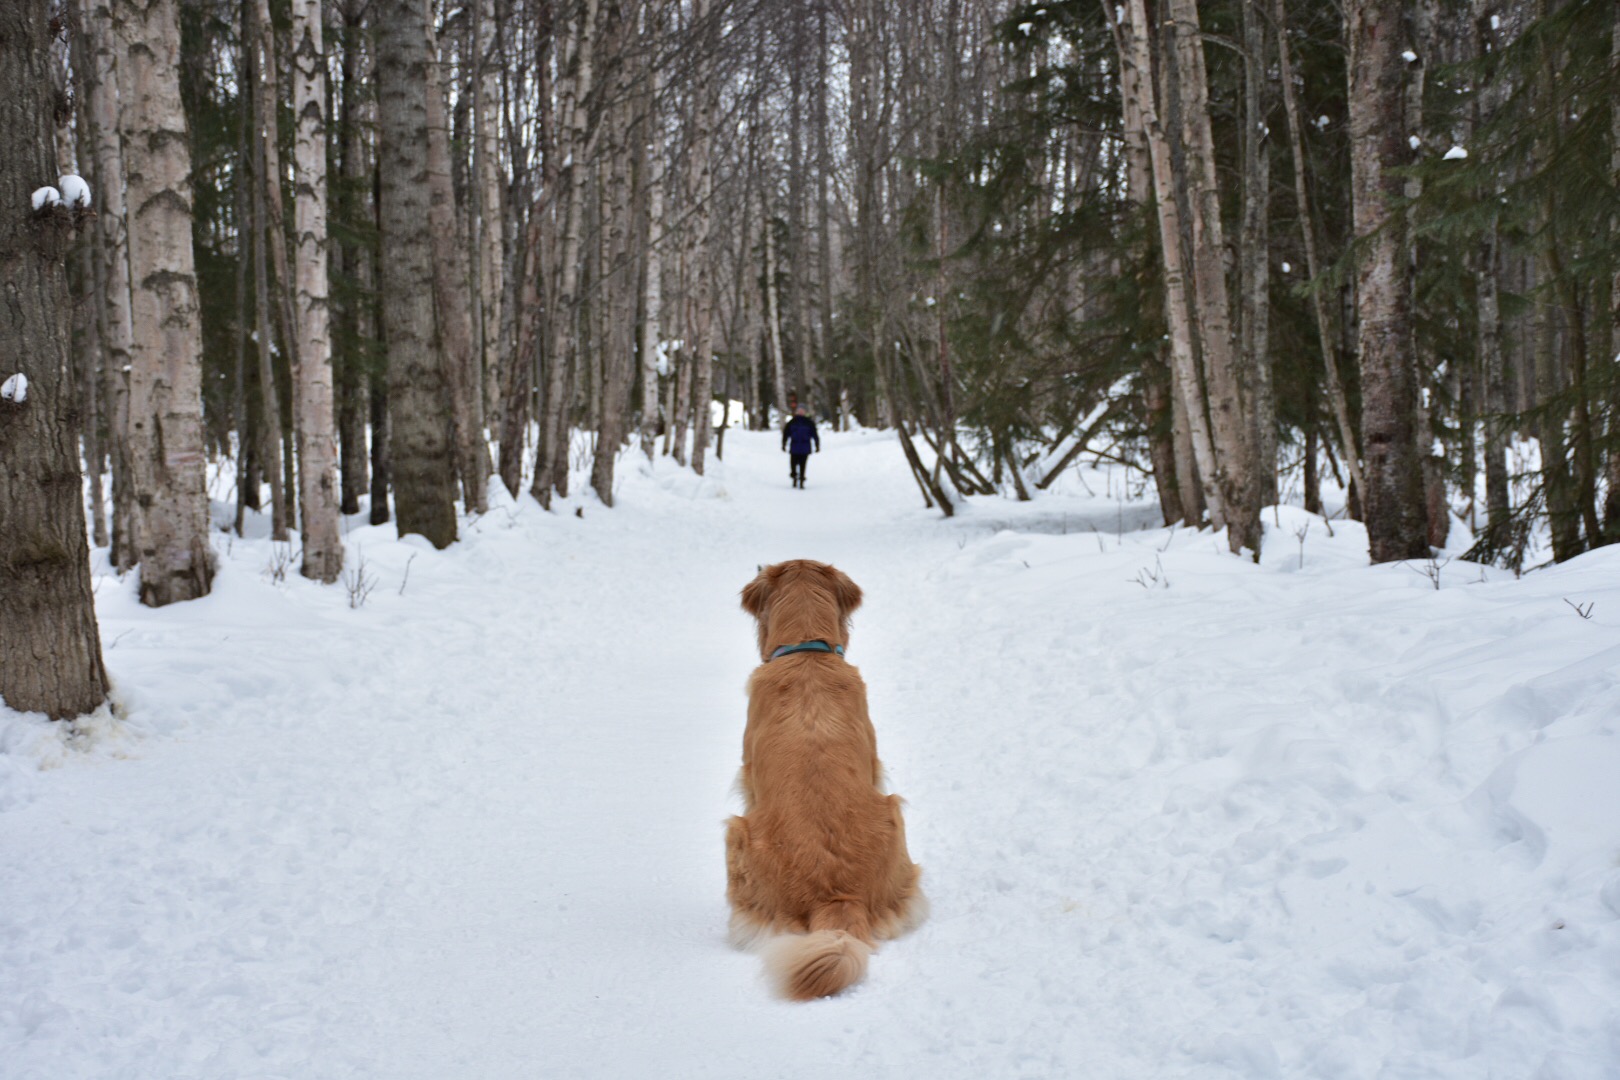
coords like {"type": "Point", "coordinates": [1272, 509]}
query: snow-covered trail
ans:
{"type": "Point", "coordinates": [1178, 815]}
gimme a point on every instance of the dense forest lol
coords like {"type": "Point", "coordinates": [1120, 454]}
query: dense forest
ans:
{"type": "Point", "coordinates": [403, 248]}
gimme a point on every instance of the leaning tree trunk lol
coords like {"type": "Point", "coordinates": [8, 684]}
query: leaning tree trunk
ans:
{"type": "Point", "coordinates": [1393, 504]}
{"type": "Point", "coordinates": [50, 649]}
{"type": "Point", "coordinates": [1134, 43]}
{"type": "Point", "coordinates": [168, 480]}
{"type": "Point", "coordinates": [419, 451]}
{"type": "Point", "coordinates": [313, 419]}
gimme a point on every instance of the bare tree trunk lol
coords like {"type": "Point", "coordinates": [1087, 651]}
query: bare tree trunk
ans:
{"type": "Point", "coordinates": [551, 467]}
{"type": "Point", "coordinates": [1338, 400]}
{"type": "Point", "coordinates": [312, 373]}
{"type": "Point", "coordinates": [1395, 513]}
{"type": "Point", "coordinates": [419, 445]}
{"type": "Point", "coordinates": [357, 328]}
{"type": "Point", "coordinates": [653, 296]}
{"type": "Point", "coordinates": [113, 244]}
{"type": "Point", "coordinates": [1255, 255]}
{"type": "Point", "coordinates": [1137, 63]}
{"type": "Point", "coordinates": [269, 427]}
{"type": "Point", "coordinates": [700, 263]}
{"type": "Point", "coordinates": [617, 285]}
{"type": "Point", "coordinates": [167, 461]}
{"type": "Point", "coordinates": [50, 648]}
{"type": "Point", "coordinates": [773, 315]}
{"type": "Point", "coordinates": [487, 208]}
{"type": "Point", "coordinates": [453, 304]}
{"type": "Point", "coordinates": [1229, 386]}
{"type": "Point", "coordinates": [1611, 502]}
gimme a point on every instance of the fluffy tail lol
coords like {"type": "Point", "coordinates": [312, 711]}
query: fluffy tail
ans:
{"type": "Point", "coordinates": [817, 964]}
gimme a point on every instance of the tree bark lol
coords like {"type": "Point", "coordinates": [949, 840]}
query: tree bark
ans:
{"type": "Point", "coordinates": [699, 219]}
{"type": "Point", "coordinates": [1338, 400]}
{"type": "Point", "coordinates": [454, 303]}
{"type": "Point", "coordinates": [551, 465]}
{"type": "Point", "coordinates": [312, 372]}
{"type": "Point", "coordinates": [1393, 502]}
{"type": "Point", "coordinates": [420, 447]}
{"type": "Point", "coordinates": [1228, 383]}
{"type": "Point", "coordinates": [112, 234]}
{"type": "Point", "coordinates": [167, 462]}
{"type": "Point", "coordinates": [1134, 37]}
{"type": "Point", "coordinates": [50, 648]}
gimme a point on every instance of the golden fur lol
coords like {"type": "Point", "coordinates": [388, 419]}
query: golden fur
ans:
{"type": "Point", "coordinates": [816, 867]}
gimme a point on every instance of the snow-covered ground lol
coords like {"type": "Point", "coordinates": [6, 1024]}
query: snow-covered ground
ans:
{"type": "Point", "coordinates": [1179, 815]}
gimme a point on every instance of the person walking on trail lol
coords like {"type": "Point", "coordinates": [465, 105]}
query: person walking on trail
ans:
{"type": "Point", "coordinates": [797, 436]}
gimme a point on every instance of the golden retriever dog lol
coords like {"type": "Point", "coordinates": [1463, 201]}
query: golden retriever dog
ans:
{"type": "Point", "coordinates": [816, 867]}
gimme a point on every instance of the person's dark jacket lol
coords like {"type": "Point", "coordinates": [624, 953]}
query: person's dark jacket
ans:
{"type": "Point", "coordinates": [799, 433]}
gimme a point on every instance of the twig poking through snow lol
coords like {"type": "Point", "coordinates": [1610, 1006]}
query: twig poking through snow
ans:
{"type": "Point", "coordinates": [15, 389]}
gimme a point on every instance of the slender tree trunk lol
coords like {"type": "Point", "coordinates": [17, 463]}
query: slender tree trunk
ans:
{"type": "Point", "coordinates": [454, 304]}
{"type": "Point", "coordinates": [357, 329]}
{"type": "Point", "coordinates": [1611, 502]}
{"type": "Point", "coordinates": [773, 315]}
{"type": "Point", "coordinates": [420, 448]}
{"type": "Point", "coordinates": [167, 460]}
{"type": "Point", "coordinates": [312, 375]}
{"type": "Point", "coordinates": [551, 467]}
{"type": "Point", "coordinates": [1338, 400]}
{"type": "Point", "coordinates": [113, 235]}
{"type": "Point", "coordinates": [487, 208]}
{"type": "Point", "coordinates": [1393, 501]}
{"type": "Point", "coordinates": [700, 261]}
{"type": "Point", "coordinates": [1229, 384]}
{"type": "Point", "coordinates": [50, 648]}
{"type": "Point", "coordinates": [1137, 62]}
{"type": "Point", "coordinates": [617, 288]}
{"type": "Point", "coordinates": [653, 296]}
{"type": "Point", "coordinates": [269, 426]}
{"type": "Point", "coordinates": [1255, 258]}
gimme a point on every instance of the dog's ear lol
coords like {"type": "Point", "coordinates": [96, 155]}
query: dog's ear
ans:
{"type": "Point", "coordinates": [847, 592]}
{"type": "Point", "coordinates": [755, 594]}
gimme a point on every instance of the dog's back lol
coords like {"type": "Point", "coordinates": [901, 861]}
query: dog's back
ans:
{"type": "Point", "coordinates": [818, 862]}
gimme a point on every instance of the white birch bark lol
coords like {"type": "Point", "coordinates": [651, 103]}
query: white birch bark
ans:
{"type": "Point", "coordinates": [653, 295]}
{"type": "Point", "coordinates": [313, 417]}
{"type": "Point", "coordinates": [112, 224]}
{"type": "Point", "coordinates": [167, 462]}
{"type": "Point", "coordinates": [1178, 310]}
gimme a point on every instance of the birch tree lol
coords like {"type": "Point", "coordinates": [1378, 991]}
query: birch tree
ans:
{"type": "Point", "coordinates": [168, 483]}
{"type": "Point", "coordinates": [312, 373]}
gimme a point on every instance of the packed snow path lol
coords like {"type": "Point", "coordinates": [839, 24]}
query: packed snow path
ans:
{"type": "Point", "coordinates": [1179, 815]}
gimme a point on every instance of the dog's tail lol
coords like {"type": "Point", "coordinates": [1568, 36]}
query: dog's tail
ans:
{"type": "Point", "coordinates": [831, 957]}
{"type": "Point", "coordinates": [817, 964]}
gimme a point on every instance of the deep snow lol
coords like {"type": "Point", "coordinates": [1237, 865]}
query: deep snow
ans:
{"type": "Point", "coordinates": [1179, 815]}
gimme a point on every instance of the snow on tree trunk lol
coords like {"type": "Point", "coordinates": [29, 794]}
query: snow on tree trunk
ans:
{"type": "Point", "coordinates": [50, 649]}
{"type": "Point", "coordinates": [168, 482]}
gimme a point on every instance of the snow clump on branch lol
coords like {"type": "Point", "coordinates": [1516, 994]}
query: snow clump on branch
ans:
{"type": "Point", "coordinates": [46, 196]}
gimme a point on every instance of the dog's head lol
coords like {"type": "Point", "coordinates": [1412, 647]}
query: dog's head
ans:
{"type": "Point", "coordinates": [801, 600]}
